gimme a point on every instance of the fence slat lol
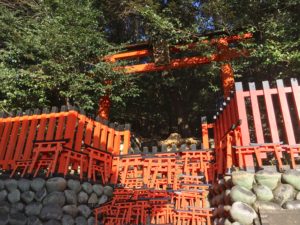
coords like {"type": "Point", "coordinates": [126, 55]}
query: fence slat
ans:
{"type": "Point", "coordinates": [97, 133]}
{"type": "Point", "coordinates": [296, 95]}
{"type": "Point", "coordinates": [270, 112]}
{"type": "Point", "coordinates": [88, 132]}
{"type": "Point", "coordinates": [285, 113]}
{"type": "Point", "coordinates": [60, 126]}
{"type": "Point", "coordinates": [126, 145]}
{"type": "Point", "coordinates": [22, 138]}
{"type": "Point", "coordinates": [2, 125]}
{"type": "Point", "coordinates": [110, 142]}
{"type": "Point", "coordinates": [30, 138]}
{"type": "Point", "coordinates": [241, 108]}
{"type": "Point", "coordinates": [42, 127]}
{"type": "Point", "coordinates": [256, 114]}
{"type": "Point", "coordinates": [13, 139]}
{"type": "Point", "coordinates": [117, 143]}
{"type": "Point", "coordinates": [5, 138]}
{"type": "Point", "coordinates": [70, 128]}
{"type": "Point", "coordinates": [80, 130]}
{"type": "Point", "coordinates": [104, 139]}
{"type": "Point", "coordinates": [222, 125]}
{"type": "Point", "coordinates": [51, 127]}
{"type": "Point", "coordinates": [204, 129]}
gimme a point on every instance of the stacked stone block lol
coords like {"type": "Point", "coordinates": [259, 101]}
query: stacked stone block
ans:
{"type": "Point", "coordinates": [50, 202]}
{"type": "Point", "coordinates": [238, 198]}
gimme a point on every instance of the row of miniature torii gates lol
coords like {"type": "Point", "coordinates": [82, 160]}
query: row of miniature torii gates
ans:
{"type": "Point", "coordinates": [225, 53]}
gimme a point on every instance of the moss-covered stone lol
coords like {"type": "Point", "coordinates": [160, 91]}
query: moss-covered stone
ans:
{"type": "Point", "coordinates": [263, 193]}
{"type": "Point", "coordinates": [242, 194]}
{"type": "Point", "coordinates": [242, 213]}
{"type": "Point", "coordinates": [284, 193]}
{"type": "Point", "coordinates": [268, 178]}
{"type": "Point", "coordinates": [243, 179]}
{"type": "Point", "coordinates": [292, 177]}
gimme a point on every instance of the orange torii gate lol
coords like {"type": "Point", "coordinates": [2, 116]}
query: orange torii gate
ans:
{"type": "Point", "coordinates": [224, 53]}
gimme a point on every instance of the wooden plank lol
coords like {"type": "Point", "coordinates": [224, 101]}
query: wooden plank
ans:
{"type": "Point", "coordinates": [13, 139]}
{"type": "Point", "coordinates": [241, 108]}
{"type": "Point", "coordinates": [296, 96]}
{"type": "Point", "coordinates": [80, 132]}
{"type": "Point", "coordinates": [226, 117]}
{"type": "Point", "coordinates": [31, 137]}
{"type": "Point", "coordinates": [70, 128]}
{"type": "Point", "coordinates": [126, 145]}
{"type": "Point", "coordinates": [60, 126]}
{"type": "Point", "coordinates": [96, 135]}
{"type": "Point", "coordinates": [4, 141]}
{"type": "Point", "coordinates": [104, 137]}
{"type": "Point", "coordinates": [52, 124]}
{"type": "Point", "coordinates": [270, 112]}
{"type": "Point", "coordinates": [42, 126]}
{"type": "Point", "coordinates": [204, 129]}
{"type": "Point", "coordinates": [256, 114]}
{"type": "Point", "coordinates": [22, 137]}
{"type": "Point", "coordinates": [89, 132]}
{"type": "Point", "coordinates": [117, 143]}
{"type": "Point", "coordinates": [2, 125]}
{"type": "Point", "coordinates": [221, 125]}
{"type": "Point", "coordinates": [110, 143]}
{"type": "Point", "coordinates": [242, 115]}
{"type": "Point", "coordinates": [289, 131]}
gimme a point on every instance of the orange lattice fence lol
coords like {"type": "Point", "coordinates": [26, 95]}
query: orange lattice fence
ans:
{"type": "Point", "coordinates": [256, 126]}
{"type": "Point", "coordinates": [59, 142]}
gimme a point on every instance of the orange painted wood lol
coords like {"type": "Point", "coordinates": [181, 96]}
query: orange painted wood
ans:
{"type": "Point", "coordinates": [13, 139]}
{"type": "Point", "coordinates": [117, 143]}
{"type": "Point", "coordinates": [70, 128]}
{"type": "Point", "coordinates": [289, 131]}
{"type": "Point", "coordinates": [241, 106]}
{"type": "Point", "coordinates": [51, 127]}
{"type": "Point", "coordinates": [96, 135]}
{"type": "Point", "coordinates": [80, 132]}
{"type": "Point", "coordinates": [204, 129]}
{"type": "Point", "coordinates": [256, 114]}
{"type": "Point", "coordinates": [104, 138]}
{"type": "Point", "coordinates": [60, 126]}
{"type": "Point", "coordinates": [2, 125]}
{"type": "Point", "coordinates": [5, 139]}
{"type": "Point", "coordinates": [42, 127]}
{"type": "Point", "coordinates": [22, 137]}
{"type": "Point", "coordinates": [270, 112]}
{"type": "Point", "coordinates": [227, 79]}
{"type": "Point", "coordinates": [110, 142]}
{"type": "Point", "coordinates": [126, 144]}
{"type": "Point", "coordinates": [227, 118]}
{"type": "Point", "coordinates": [296, 96]}
{"type": "Point", "coordinates": [31, 136]}
{"type": "Point", "coordinates": [89, 132]}
{"type": "Point", "coordinates": [176, 48]}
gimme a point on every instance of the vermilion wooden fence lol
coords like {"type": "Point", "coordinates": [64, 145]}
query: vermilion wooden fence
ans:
{"type": "Point", "coordinates": [19, 133]}
{"type": "Point", "coordinates": [254, 122]}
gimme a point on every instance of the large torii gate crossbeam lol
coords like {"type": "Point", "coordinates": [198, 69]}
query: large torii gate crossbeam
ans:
{"type": "Point", "coordinates": [225, 53]}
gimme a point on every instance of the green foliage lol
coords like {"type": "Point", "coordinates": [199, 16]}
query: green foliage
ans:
{"type": "Point", "coordinates": [49, 57]}
{"type": "Point", "coordinates": [51, 51]}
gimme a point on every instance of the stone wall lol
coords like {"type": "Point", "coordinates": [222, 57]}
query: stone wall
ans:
{"type": "Point", "coordinates": [50, 202]}
{"type": "Point", "coordinates": [237, 198]}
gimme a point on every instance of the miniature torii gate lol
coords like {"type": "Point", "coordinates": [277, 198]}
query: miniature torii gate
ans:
{"type": "Point", "coordinates": [224, 53]}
